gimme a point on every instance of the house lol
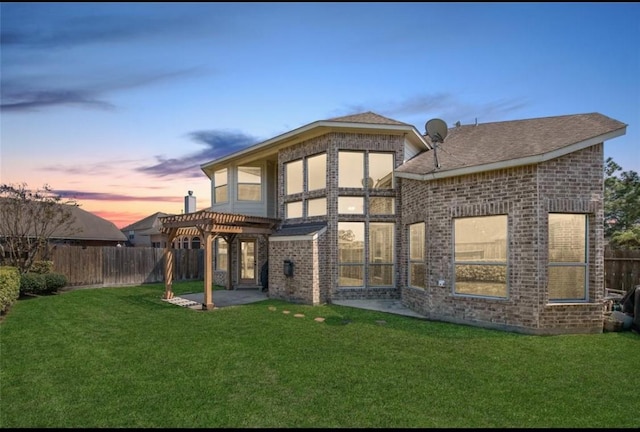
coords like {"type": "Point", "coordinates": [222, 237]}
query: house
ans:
{"type": "Point", "coordinates": [85, 229]}
{"type": "Point", "coordinates": [146, 231]}
{"type": "Point", "coordinates": [499, 225]}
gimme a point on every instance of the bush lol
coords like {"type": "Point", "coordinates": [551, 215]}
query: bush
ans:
{"type": "Point", "coordinates": [39, 284]}
{"type": "Point", "coordinates": [32, 283]}
{"type": "Point", "coordinates": [9, 287]}
{"type": "Point", "coordinates": [54, 281]}
{"type": "Point", "coordinates": [42, 267]}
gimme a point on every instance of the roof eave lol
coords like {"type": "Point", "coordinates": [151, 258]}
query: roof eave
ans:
{"type": "Point", "coordinates": [512, 163]}
{"type": "Point", "coordinates": [315, 129]}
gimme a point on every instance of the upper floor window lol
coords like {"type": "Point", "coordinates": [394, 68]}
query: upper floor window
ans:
{"type": "Point", "coordinates": [480, 255]}
{"type": "Point", "coordinates": [317, 172]}
{"type": "Point", "coordinates": [293, 177]}
{"type": "Point", "coordinates": [365, 170]}
{"type": "Point", "coordinates": [567, 257]}
{"type": "Point", "coordinates": [249, 183]}
{"type": "Point", "coordinates": [220, 180]}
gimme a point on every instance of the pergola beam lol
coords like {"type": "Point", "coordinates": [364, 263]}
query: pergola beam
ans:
{"type": "Point", "coordinates": [209, 225]}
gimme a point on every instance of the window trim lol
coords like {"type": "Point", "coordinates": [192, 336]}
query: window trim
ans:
{"type": "Point", "coordinates": [422, 260]}
{"type": "Point", "coordinates": [584, 265]}
{"type": "Point", "coordinates": [504, 264]}
{"type": "Point", "coordinates": [239, 183]}
{"type": "Point", "coordinates": [217, 255]}
{"type": "Point", "coordinates": [225, 186]}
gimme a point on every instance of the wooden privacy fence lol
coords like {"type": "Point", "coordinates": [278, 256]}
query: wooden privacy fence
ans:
{"type": "Point", "coordinates": [621, 269]}
{"type": "Point", "coordinates": [121, 266]}
{"type": "Point", "coordinates": [113, 266]}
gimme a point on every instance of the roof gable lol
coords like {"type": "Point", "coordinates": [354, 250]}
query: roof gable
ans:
{"type": "Point", "coordinates": [475, 148]}
{"type": "Point", "coordinates": [146, 223]}
{"type": "Point", "coordinates": [367, 122]}
{"type": "Point", "coordinates": [368, 117]}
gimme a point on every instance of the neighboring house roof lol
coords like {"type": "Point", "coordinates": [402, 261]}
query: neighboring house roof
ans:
{"type": "Point", "coordinates": [147, 226]}
{"type": "Point", "coordinates": [367, 122]}
{"type": "Point", "coordinates": [88, 226]}
{"type": "Point", "coordinates": [488, 146]}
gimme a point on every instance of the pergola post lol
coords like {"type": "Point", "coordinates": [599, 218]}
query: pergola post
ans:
{"type": "Point", "coordinates": [208, 270]}
{"type": "Point", "coordinates": [229, 239]}
{"type": "Point", "coordinates": [168, 265]}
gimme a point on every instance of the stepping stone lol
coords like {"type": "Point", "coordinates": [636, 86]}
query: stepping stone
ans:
{"type": "Point", "coordinates": [299, 315]}
{"type": "Point", "coordinates": [319, 319]}
{"type": "Point", "coordinates": [272, 308]}
{"type": "Point", "coordinates": [286, 312]}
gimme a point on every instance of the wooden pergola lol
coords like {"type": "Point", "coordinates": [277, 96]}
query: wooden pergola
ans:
{"type": "Point", "coordinates": [209, 225]}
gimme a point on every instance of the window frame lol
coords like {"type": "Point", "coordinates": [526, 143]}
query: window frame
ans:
{"type": "Point", "coordinates": [217, 255]}
{"type": "Point", "coordinates": [217, 186]}
{"type": "Point", "coordinates": [422, 260]}
{"type": "Point", "coordinates": [492, 263]}
{"type": "Point", "coordinates": [569, 264]}
{"type": "Point", "coordinates": [240, 184]}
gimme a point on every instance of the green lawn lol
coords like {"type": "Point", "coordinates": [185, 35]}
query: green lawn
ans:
{"type": "Point", "coordinates": [121, 357]}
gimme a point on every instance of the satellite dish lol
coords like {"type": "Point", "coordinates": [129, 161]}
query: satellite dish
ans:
{"type": "Point", "coordinates": [437, 130]}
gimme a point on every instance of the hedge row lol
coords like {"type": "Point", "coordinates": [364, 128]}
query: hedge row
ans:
{"type": "Point", "coordinates": [9, 287]}
{"type": "Point", "coordinates": [37, 283]}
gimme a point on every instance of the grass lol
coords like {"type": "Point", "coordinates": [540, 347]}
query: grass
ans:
{"type": "Point", "coordinates": [121, 357]}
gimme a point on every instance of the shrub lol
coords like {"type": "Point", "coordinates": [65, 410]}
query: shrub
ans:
{"type": "Point", "coordinates": [42, 267]}
{"type": "Point", "coordinates": [32, 283]}
{"type": "Point", "coordinates": [54, 281]}
{"type": "Point", "coordinates": [9, 287]}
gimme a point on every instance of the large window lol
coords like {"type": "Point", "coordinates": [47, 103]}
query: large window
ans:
{"type": "Point", "coordinates": [380, 261]}
{"type": "Point", "coordinates": [313, 169]}
{"type": "Point", "coordinates": [381, 256]}
{"type": "Point", "coordinates": [220, 180]}
{"type": "Point", "coordinates": [221, 254]}
{"type": "Point", "coordinates": [480, 250]}
{"type": "Point", "coordinates": [567, 257]}
{"type": "Point", "coordinates": [249, 184]}
{"type": "Point", "coordinates": [376, 173]}
{"type": "Point", "coordinates": [351, 253]}
{"type": "Point", "coordinates": [417, 268]}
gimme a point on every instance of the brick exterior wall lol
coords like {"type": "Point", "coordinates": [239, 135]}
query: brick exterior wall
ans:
{"type": "Point", "coordinates": [308, 284]}
{"type": "Point", "coordinates": [570, 184]}
{"type": "Point", "coordinates": [327, 247]}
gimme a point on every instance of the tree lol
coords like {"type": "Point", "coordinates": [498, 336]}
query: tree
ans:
{"type": "Point", "coordinates": [28, 219]}
{"type": "Point", "coordinates": [621, 204]}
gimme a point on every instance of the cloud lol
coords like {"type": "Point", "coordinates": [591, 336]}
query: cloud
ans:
{"type": "Point", "coordinates": [217, 144]}
{"type": "Point", "coordinates": [100, 168]}
{"type": "Point", "coordinates": [37, 92]}
{"type": "Point", "coordinates": [58, 31]}
{"type": "Point", "coordinates": [105, 196]}
{"type": "Point", "coordinates": [442, 105]}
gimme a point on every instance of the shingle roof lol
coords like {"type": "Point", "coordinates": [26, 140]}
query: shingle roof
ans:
{"type": "Point", "coordinates": [88, 226]}
{"type": "Point", "coordinates": [299, 229]}
{"type": "Point", "coordinates": [146, 223]}
{"type": "Point", "coordinates": [367, 117]}
{"type": "Point", "coordinates": [85, 226]}
{"type": "Point", "coordinates": [490, 143]}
